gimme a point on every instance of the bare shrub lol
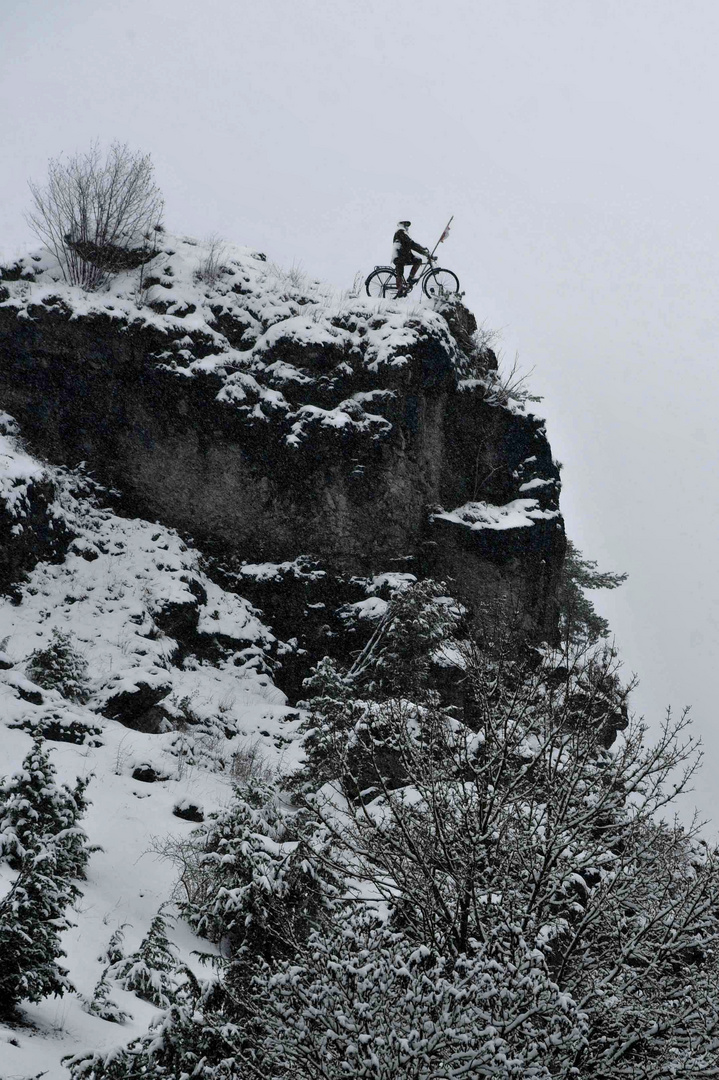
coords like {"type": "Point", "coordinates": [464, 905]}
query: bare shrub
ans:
{"type": "Point", "coordinates": [211, 266]}
{"type": "Point", "coordinates": [195, 881]}
{"type": "Point", "coordinates": [249, 763]}
{"type": "Point", "coordinates": [295, 277]}
{"type": "Point", "coordinates": [97, 214]}
{"type": "Point", "coordinates": [510, 385]}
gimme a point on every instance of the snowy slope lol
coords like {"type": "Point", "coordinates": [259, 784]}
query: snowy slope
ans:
{"type": "Point", "coordinates": [119, 582]}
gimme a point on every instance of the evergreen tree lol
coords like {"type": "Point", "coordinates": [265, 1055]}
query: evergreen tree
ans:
{"type": "Point", "coordinates": [418, 626]}
{"type": "Point", "coordinates": [32, 917]}
{"type": "Point", "coordinates": [59, 666]}
{"type": "Point", "coordinates": [579, 622]}
{"type": "Point", "coordinates": [263, 879]}
{"type": "Point", "coordinates": [114, 951]}
{"type": "Point", "coordinates": [102, 1005]}
{"type": "Point", "coordinates": [345, 734]}
{"type": "Point", "coordinates": [33, 806]}
{"type": "Point", "coordinates": [149, 971]}
{"type": "Point", "coordinates": [41, 839]}
{"type": "Point", "coordinates": [194, 1037]}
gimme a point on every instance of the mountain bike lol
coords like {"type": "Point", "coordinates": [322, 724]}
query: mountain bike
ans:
{"type": "Point", "coordinates": [436, 282]}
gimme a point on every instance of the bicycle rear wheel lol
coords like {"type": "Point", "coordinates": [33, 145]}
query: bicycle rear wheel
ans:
{"type": "Point", "coordinates": [438, 283]}
{"type": "Point", "coordinates": [382, 283]}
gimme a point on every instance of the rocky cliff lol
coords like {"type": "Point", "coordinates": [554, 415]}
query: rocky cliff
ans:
{"type": "Point", "coordinates": [301, 437]}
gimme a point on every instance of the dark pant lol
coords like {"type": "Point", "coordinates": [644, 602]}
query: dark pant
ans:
{"type": "Point", "coordinates": [408, 260]}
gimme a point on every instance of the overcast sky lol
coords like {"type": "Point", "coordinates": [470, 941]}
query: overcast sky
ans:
{"type": "Point", "coordinates": [576, 144]}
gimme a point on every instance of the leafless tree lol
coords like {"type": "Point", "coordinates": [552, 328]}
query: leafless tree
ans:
{"type": "Point", "coordinates": [534, 822]}
{"type": "Point", "coordinates": [97, 214]}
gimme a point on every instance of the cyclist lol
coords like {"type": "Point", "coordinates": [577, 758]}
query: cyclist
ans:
{"type": "Point", "coordinates": [403, 255]}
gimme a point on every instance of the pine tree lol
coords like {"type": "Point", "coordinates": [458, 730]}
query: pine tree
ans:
{"type": "Point", "coordinates": [114, 951]}
{"type": "Point", "coordinates": [194, 1037]}
{"type": "Point", "coordinates": [264, 879]}
{"type": "Point", "coordinates": [59, 666]}
{"type": "Point", "coordinates": [102, 1005]}
{"type": "Point", "coordinates": [41, 839]}
{"type": "Point", "coordinates": [345, 734]}
{"type": "Point", "coordinates": [33, 806]}
{"type": "Point", "coordinates": [579, 622]}
{"type": "Point", "coordinates": [32, 917]}
{"type": "Point", "coordinates": [148, 971]}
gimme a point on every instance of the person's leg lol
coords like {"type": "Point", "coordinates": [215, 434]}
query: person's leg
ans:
{"type": "Point", "coordinates": [399, 267]}
{"type": "Point", "coordinates": [414, 267]}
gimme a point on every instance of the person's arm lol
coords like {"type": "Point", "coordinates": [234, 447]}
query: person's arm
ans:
{"type": "Point", "coordinates": [418, 248]}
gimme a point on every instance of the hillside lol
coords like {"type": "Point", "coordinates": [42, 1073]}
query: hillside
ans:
{"type": "Point", "coordinates": [207, 483]}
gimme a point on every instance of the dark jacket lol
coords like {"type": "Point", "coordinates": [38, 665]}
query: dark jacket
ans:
{"type": "Point", "coordinates": [403, 246]}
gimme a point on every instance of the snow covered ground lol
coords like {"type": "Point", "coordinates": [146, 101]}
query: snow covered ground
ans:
{"type": "Point", "coordinates": [256, 327]}
{"type": "Point", "coordinates": [120, 582]}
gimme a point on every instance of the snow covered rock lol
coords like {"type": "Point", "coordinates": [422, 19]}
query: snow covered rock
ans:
{"type": "Point", "coordinates": [273, 418]}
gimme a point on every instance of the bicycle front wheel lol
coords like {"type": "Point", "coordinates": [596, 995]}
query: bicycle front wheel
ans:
{"type": "Point", "coordinates": [438, 283]}
{"type": "Point", "coordinates": [382, 283]}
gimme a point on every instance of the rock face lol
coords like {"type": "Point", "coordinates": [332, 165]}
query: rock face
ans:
{"type": "Point", "coordinates": [30, 528]}
{"type": "Point", "coordinates": [270, 422]}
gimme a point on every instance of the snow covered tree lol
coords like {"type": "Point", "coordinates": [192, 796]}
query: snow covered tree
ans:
{"type": "Point", "coordinates": [41, 840]}
{"type": "Point", "coordinates": [420, 622]}
{"type": "Point", "coordinates": [522, 824]}
{"type": "Point", "coordinates": [360, 1001]}
{"type": "Point", "coordinates": [336, 712]}
{"type": "Point", "coordinates": [149, 971]}
{"type": "Point", "coordinates": [261, 879]}
{"type": "Point", "coordinates": [32, 917]}
{"type": "Point", "coordinates": [34, 808]}
{"type": "Point", "coordinates": [114, 951]}
{"type": "Point", "coordinates": [102, 1005]}
{"type": "Point", "coordinates": [59, 666]}
{"type": "Point", "coordinates": [498, 890]}
{"type": "Point", "coordinates": [194, 1037]}
{"type": "Point", "coordinates": [399, 663]}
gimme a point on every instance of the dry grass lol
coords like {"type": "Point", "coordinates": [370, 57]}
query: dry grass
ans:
{"type": "Point", "coordinates": [249, 763]}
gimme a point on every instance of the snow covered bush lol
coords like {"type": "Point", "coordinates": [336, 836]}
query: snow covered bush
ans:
{"type": "Point", "coordinates": [94, 213]}
{"type": "Point", "coordinates": [149, 971]}
{"type": "Point", "coordinates": [102, 1005]}
{"type": "Point", "coordinates": [41, 840]}
{"type": "Point", "coordinates": [211, 264]}
{"type": "Point", "coordinates": [366, 1002]}
{"type": "Point", "coordinates": [360, 1001]}
{"type": "Point", "coordinates": [495, 890]}
{"type": "Point", "coordinates": [255, 879]}
{"type": "Point", "coordinates": [59, 666]}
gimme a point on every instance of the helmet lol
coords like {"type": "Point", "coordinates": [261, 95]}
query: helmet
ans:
{"type": "Point", "coordinates": [404, 224]}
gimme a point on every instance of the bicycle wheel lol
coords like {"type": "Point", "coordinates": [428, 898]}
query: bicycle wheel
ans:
{"type": "Point", "coordinates": [439, 283]}
{"type": "Point", "coordinates": [382, 282]}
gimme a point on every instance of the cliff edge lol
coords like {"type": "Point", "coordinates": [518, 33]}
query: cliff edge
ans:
{"type": "Point", "coordinates": [285, 426]}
